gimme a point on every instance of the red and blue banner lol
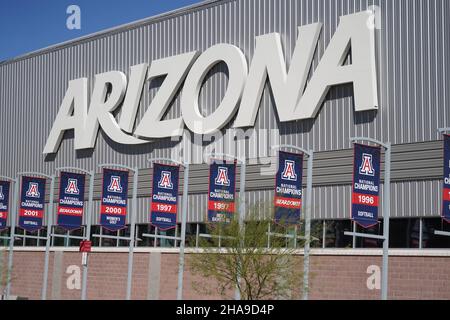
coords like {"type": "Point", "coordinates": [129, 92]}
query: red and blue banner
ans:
{"type": "Point", "coordinates": [32, 197]}
{"type": "Point", "coordinates": [288, 188]}
{"type": "Point", "coordinates": [113, 208]}
{"type": "Point", "coordinates": [446, 189]}
{"type": "Point", "coordinates": [71, 200]}
{"type": "Point", "coordinates": [164, 207]}
{"type": "Point", "coordinates": [4, 203]}
{"type": "Point", "coordinates": [366, 185]}
{"type": "Point", "coordinates": [221, 192]}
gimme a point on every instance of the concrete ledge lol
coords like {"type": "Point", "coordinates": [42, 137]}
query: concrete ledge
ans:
{"type": "Point", "coordinates": [313, 252]}
{"type": "Point", "coordinates": [379, 252]}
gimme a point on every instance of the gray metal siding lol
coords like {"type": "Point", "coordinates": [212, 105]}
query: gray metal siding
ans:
{"type": "Point", "coordinates": [412, 47]}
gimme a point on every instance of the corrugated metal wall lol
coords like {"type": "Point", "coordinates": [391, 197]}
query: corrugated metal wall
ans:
{"type": "Point", "coordinates": [414, 90]}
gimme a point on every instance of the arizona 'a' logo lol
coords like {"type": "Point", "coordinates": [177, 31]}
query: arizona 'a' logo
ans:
{"type": "Point", "coordinates": [114, 185]}
{"type": "Point", "coordinates": [289, 171]}
{"type": "Point", "coordinates": [222, 177]}
{"type": "Point", "coordinates": [2, 196]}
{"type": "Point", "coordinates": [166, 180]}
{"type": "Point", "coordinates": [72, 187]}
{"type": "Point", "coordinates": [367, 166]}
{"type": "Point", "coordinates": [33, 191]}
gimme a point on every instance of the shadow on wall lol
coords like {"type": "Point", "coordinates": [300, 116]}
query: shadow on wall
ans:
{"type": "Point", "coordinates": [335, 93]}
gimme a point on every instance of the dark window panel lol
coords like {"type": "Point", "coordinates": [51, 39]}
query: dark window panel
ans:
{"type": "Point", "coordinates": [316, 232]}
{"type": "Point", "coordinates": [31, 242]}
{"type": "Point", "coordinates": [145, 241]}
{"type": "Point", "coordinates": [335, 237]}
{"type": "Point", "coordinates": [430, 240]}
{"type": "Point", "coordinates": [4, 233]}
{"type": "Point", "coordinates": [108, 242]}
{"type": "Point", "coordinates": [95, 240]}
{"type": "Point", "coordinates": [166, 243]}
{"type": "Point", "coordinates": [191, 232]}
{"type": "Point", "coordinates": [77, 233]}
{"type": "Point", "coordinates": [57, 241]}
{"type": "Point", "coordinates": [124, 233]}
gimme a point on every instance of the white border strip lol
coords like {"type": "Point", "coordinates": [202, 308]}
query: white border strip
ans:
{"type": "Point", "coordinates": [314, 252]}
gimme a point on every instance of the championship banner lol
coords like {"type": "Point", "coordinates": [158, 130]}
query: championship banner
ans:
{"type": "Point", "coordinates": [288, 188]}
{"type": "Point", "coordinates": [71, 200]}
{"type": "Point", "coordinates": [32, 197]}
{"type": "Point", "coordinates": [4, 203]}
{"type": "Point", "coordinates": [366, 185]}
{"type": "Point", "coordinates": [113, 208]}
{"type": "Point", "coordinates": [446, 191]}
{"type": "Point", "coordinates": [221, 192]}
{"type": "Point", "coordinates": [164, 208]}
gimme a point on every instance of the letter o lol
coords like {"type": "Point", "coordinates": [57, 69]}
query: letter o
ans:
{"type": "Point", "coordinates": [233, 57]}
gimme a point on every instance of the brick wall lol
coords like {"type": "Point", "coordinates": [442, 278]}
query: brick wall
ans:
{"type": "Point", "coordinates": [155, 276]}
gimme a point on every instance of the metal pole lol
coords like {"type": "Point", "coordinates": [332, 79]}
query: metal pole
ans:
{"type": "Point", "coordinates": [149, 235]}
{"type": "Point", "coordinates": [443, 130]}
{"type": "Point", "coordinates": [420, 232]}
{"type": "Point", "coordinates": [176, 235]}
{"type": "Point", "coordinates": [308, 210]}
{"type": "Point", "coordinates": [196, 235]}
{"type": "Point", "coordinates": [132, 224]}
{"type": "Point", "coordinates": [354, 237]}
{"type": "Point", "coordinates": [386, 212]}
{"type": "Point", "coordinates": [237, 294]}
{"type": "Point", "coordinates": [88, 232]}
{"type": "Point", "coordinates": [183, 224]}
{"type": "Point", "coordinates": [12, 232]}
{"type": "Point", "coordinates": [48, 241]}
{"type": "Point", "coordinates": [364, 235]}
{"type": "Point", "coordinates": [52, 243]}
{"type": "Point", "coordinates": [386, 215]}
{"type": "Point", "coordinates": [183, 231]}
{"type": "Point", "coordinates": [324, 234]}
{"type": "Point", "coordinates": [295, 236]}
{"type": "Point", "coordinates": [286, 238]}
{"type": "Point", "coordinates": [132, 232]}
{"type": "Point", "coordinates": [66, 239]}
{"type": "Point", "coordinates": [242, 194]}
{"type": "Point", "coordinates": [442, 233]}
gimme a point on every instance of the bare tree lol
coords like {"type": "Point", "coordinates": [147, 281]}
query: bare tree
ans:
{"type": "Point", "coordinates": [247, 261]}
{"type": "Point", "coordinates": [5, 274]}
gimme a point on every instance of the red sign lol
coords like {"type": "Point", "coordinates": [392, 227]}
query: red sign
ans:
{"type": "Point", "coordinates": [85, 246]}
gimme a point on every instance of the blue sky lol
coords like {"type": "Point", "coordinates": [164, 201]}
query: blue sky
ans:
{"type": "Point", "coordinates": [28, 25]}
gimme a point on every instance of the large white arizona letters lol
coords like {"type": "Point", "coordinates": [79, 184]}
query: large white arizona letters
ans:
{"type": "Point", "coordinates": [237, 69]}
{"type": "Point", "coordinates": [101, 107]}
{"type": "Point", "coordinates": [353, 32]}
{"type": "Point", "coordinates": [268, 63]}
{"type": "Point", "coordinates": [72, 115]}
{"type": "Point", "coordinates": [134, 92]}
{"type": "Point", "coordinates": [295, 98]}
{"type": "Point", "coordinates": [175, 69]}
